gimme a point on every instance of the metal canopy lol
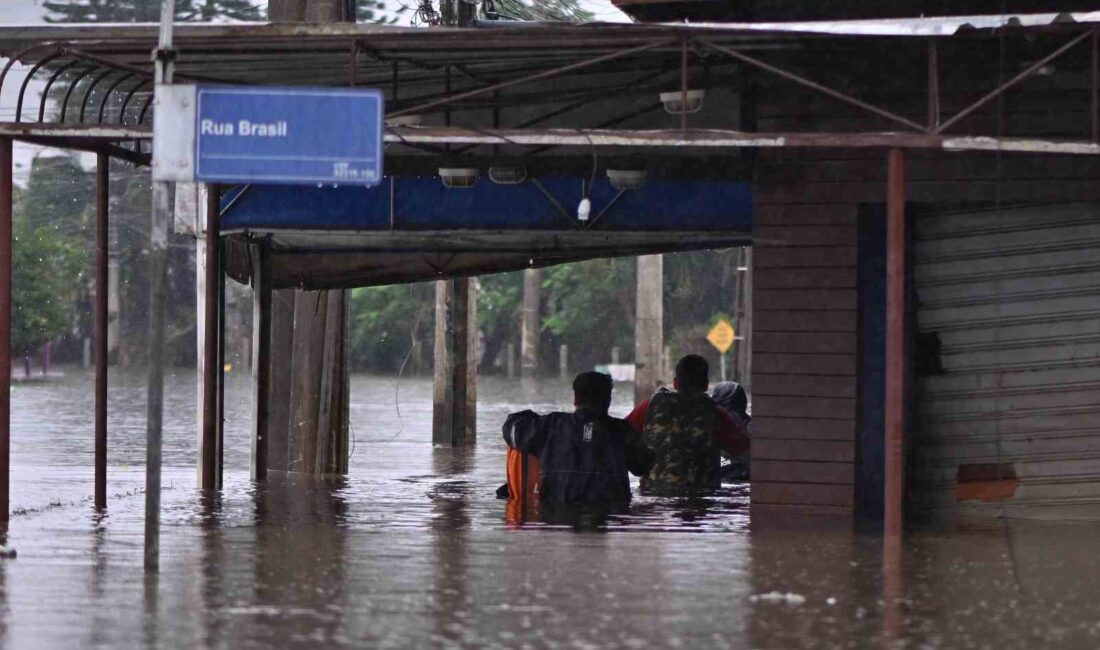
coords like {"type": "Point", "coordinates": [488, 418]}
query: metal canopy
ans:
{"type": "Point", "coordinates": [529, 88]}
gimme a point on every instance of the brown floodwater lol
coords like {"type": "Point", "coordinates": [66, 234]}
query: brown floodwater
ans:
{"type": "Point", "coordinates": [412, 550]}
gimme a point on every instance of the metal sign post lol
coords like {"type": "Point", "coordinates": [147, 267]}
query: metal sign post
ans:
{"type": "Point", "coordinates": [721, 336]}
{"type": "Point", "coordinates": [158, 254]}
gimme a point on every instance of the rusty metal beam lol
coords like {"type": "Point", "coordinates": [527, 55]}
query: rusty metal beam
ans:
{"type": "Point", "coordinates": [545, 74]}
{"type": "Point", "coordinates": [94, 136]}
{"type": "Point", "coordinates": [1024, 74]}
{"type": "Point", "coordinates": [129, 96]}
{"type": "Point", "coordinates": [88, 92]}
{"type": "Point", "coordinates": [813, 85]}
{"type": "Point", "coordinates": [69, 93]}
{"type": "Point", "coordinates": [107, 95]}
{"type": "Point", "coordinates": [894, 445]}
{"type": "Point", "coordinates": [49, 84]}
{"type": "Point", "coordinates": [26, 81]}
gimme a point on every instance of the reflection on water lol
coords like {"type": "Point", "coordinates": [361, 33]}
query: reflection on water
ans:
{"type": "Point", "coordinates": [412, 550]}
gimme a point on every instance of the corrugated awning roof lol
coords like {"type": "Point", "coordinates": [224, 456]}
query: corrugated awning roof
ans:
{"type": "Point", "coordinates": [101, 74]}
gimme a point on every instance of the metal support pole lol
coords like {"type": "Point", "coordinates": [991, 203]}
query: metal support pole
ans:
{"type": "Point", "coordinates": [261, 358]}
{"type": "Point", "coordinates": [219, 419]}
{"type": "Point", "coordinates": [210, 368]}
{"type": "Point", "coordinates": [895, 344]}
{"type": "Point", "coordinates": [101, 271]}
{"type": "Point", "coordinates": [5, 323]}
{"type": "Point", "coordinates": [158, 258]}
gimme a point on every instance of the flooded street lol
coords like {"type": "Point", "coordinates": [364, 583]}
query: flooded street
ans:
{"type": "Point", "coordinates": [412, 550]}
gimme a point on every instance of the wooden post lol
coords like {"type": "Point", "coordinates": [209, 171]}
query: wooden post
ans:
{"type": "Point", "coordinates": [530, 326]}
{"type": "Point", "coordinates": [895, 344]}
{"type": "Point", "coordinates": [648, 326]}
{"type": "Point", "coordinates": [101, 272]}
{"type": "Point", "coordinates": [210, 369]}
{"type": "Point", "coordinates": [261, 358]}
{"type": "Point", "coordinates": [5, 324]}
{"type": "Point", "coordinates": [510, 360]}
{"type": "Point", "coordinates": [280, 365]}
{"type": "Point", "coordinates": [455, 379]}
{"type": "Point", "coordinates": [307, 368]}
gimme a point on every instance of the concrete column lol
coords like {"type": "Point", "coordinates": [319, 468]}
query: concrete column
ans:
{"type": "Point", "coordinates": [530, 326]}
{"type": "Point", "coordinates": [454, 413]}
{"type": "Point", "coordinates": [648, 326]}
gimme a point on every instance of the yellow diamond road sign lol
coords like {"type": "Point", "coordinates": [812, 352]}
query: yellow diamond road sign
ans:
{"type": "Point", "coordinates": [721, 336]}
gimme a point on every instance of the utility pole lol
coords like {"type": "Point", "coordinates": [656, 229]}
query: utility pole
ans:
{"type": "Point", "coordinates": [649, 331]}
{"type": "Point", "coordinates": [530, 324]}
{"type": "Point", "coordinates": [158, 258]}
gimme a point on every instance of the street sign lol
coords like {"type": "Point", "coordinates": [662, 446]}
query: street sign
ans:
{"type": "Point", "coordinates": [220, 134]}
{"type": "Point", "coordinates": [721, 336]}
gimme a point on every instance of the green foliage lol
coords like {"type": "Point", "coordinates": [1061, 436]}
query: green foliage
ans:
{"type": "Point", "coordinates": [499, 299]}
{"type": "Point", "coordinates": [390, 324]}
{"type": "Point", "coordinates": [590, 307]}
{"type": "Point", "coordinates": [49, 251]}
{"type": "Point", "coordinates": [141, 11]}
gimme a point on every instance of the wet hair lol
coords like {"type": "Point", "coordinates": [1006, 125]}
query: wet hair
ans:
{"type": "Point", "coordinates": [692, 373]}
{"type": "Point", "coordinates": [592, 390]}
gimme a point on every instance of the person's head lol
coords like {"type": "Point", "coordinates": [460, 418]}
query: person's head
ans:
{"type": "Point", "coordinates": [592, 392]}
{"type": "Point", "coordinates": [692, 374]}
{"type": "Point", "coordinates": [731, 396]}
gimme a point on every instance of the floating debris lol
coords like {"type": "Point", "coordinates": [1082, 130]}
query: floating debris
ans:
{"type": "Point", "coordinates": [779, 597]}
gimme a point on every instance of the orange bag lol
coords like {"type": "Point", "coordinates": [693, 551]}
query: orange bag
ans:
{"type": "Point", "coordinates": [515, 476]}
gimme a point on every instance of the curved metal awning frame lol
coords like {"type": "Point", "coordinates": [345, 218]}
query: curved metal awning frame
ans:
{"type": "Point", "coordinates": [104, 75]}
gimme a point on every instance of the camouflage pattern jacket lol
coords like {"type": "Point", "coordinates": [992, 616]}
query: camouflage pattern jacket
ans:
{"type": "Point", "coordinates": [686, 431]}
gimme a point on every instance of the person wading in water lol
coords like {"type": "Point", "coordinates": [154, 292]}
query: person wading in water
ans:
{"type": "Point", "coordinates": [583, 456]}
{"type": "Point", "coordinates": [687, 432]}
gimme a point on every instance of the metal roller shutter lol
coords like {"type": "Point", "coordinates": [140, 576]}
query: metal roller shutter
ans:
{"type": "Point", "coordinates": [1012, 424]}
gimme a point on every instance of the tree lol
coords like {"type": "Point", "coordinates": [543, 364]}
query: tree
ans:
{"type": "Point", "coordinates": [49, 251]}
{"type": "Point", "coordinates": [590, 307]}
{"type": "Point", "coordinates": [145, 11]}
{"type": "Point", "coordinates": [499, 297]}
{"type": "Point", "coordinates": [390, 324]}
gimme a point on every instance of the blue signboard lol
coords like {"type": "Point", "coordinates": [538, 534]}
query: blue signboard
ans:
{"type": "Point", "coordinates": [288, 135]}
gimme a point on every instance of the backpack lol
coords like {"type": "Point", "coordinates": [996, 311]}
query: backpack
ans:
{"type": "Point", "coordinates": [679, 428]}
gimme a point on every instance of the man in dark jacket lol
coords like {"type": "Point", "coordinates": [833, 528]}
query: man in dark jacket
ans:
{"type": "Point", "coordinates": [686, 431]}
{"type": "Point", "coordinates": [584, 456]}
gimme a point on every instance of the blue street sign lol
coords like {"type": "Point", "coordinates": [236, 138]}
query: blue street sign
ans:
{"type": "Point", "coordinates": [288, 135]}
